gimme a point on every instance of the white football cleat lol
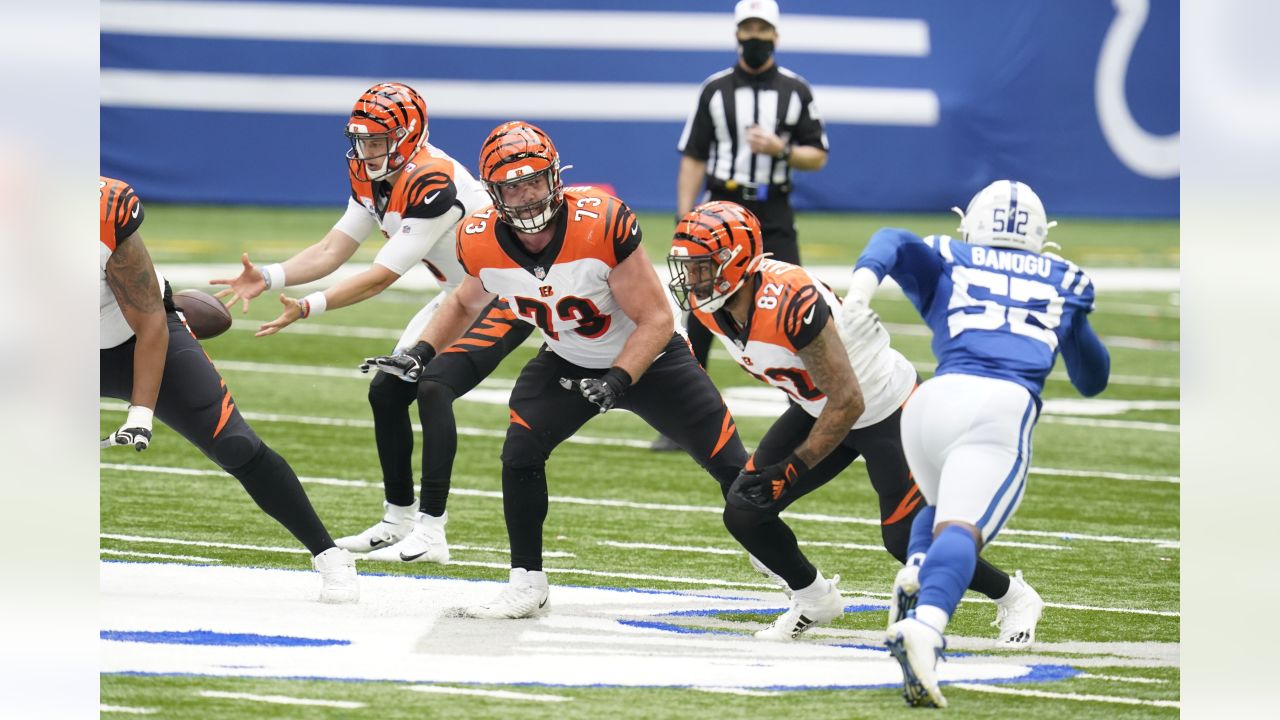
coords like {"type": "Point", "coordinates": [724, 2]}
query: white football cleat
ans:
{"type": "Point", "coordinates": [917, 647]}
{"type": "Point", "coordinates": [337, 570]}
{"type": "Point", "coordinates": [1017, 614]}
{"type": "Point", "coordinates": [770, 575]}
{"type": "Point", "coordinates": [396, 524]}
{"type": "Point", "coordinates": [426, 543]}
{"type": "Point", "coordinates": [803, 615]}
{"type": "Point", "coordinates": [906, 592]}
{"type": "Point", "coordinates": [525, 595]}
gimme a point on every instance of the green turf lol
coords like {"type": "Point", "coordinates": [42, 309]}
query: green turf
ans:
{"type": "Point", "coordinates": [1091, 573]}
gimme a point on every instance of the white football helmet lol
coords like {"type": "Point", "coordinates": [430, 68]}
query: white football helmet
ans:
{"type": "Point", "coordinates": [1006, 213]}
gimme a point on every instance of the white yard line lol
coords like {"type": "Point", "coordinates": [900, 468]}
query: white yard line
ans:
{"type": "Point", "coordinates": [281, 699]}
{"type": "Point", "coordinates": [1121, 678]}
{"type": "Point", "coordinates": [737, 691]}
{"type": "Point", "coordinates": [1131, 343]}
{"type": "Point", "coordinates": [112, 406]}
{"type": "Point", "coordinates": [157, 556]}
{"type": "Point", "coordinates": [126, 710]}
{"type": "Point", "coordinates": [709, 582]}
{"type": "Point", "coordinates": [600, 502]}
{"type": "Point", "coordinates": [1113, 424]}
{"type": "Point", "coordinates": [1000, 690]}
{"type": "Point", "coordinates": [708, 550]}
{"type": "Point", "coordinates": [498, 694]}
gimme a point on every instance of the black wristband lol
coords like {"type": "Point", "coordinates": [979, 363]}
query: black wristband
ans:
{"type": "Point", "coordinates": [619, 376]}
{"type": "Point", "coordinates": [422, 352]}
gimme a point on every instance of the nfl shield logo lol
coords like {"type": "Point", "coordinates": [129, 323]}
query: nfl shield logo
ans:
{"type": "Point", "coordinates": [540, 272]}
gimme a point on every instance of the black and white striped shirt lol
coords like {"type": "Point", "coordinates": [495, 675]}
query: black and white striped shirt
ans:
{"type": "Point", "coordinates": [732, 100]}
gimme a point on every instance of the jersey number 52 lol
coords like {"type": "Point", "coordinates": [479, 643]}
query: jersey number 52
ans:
{"type": "Point", "coordinates": [1002, 290]}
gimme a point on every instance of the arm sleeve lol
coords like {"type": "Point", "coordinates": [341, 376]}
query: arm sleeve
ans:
{"type": "Point", "coordinates": [809, 128]}
{"type": "Point", "coordinates": [356, 222]}
{"type": "Point", "coordinates": [805, 316]}
{"type": "Point", "coordinates": [910, 261]}
{"type": "Point", "coordinates": [625, 232]}
{"type": "Point", "coordinates": [1088, 362]}
{"type": "Point", "coordinates": [695, 139]}
{"type": "Point", "coordinates": [430, 194]}
{"type": "Point", "coordinates": [415, 239]}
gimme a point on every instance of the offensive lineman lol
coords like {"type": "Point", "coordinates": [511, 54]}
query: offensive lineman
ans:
{"type": "Point", "coordinates": [1000, 311]}
{"type": "Point", "coordinates": [846, 388]}
{"type": "Point", "coordinates": [148, 357]}
{"type": "Point", "coordinates": [567, 259]}
{"type": "Point", "coordinates": [415, 194]}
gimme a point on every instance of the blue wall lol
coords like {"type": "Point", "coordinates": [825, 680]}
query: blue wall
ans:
{"type": "Point", "coordinates": [1014, 80]}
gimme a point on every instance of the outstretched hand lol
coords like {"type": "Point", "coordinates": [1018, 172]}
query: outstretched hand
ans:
{"type": "Point", "coordinates": [292, 312]}
{"type": "Point", "coordinates": [245, 287]}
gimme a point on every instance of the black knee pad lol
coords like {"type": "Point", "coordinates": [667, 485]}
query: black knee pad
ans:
{"type": "Point", "coordinates": [741, 522]}
{"type": "Point", "coordinates": [236, 447]}
{"type": "Point", "coordinates": [390, 393]}
{"type": "Point", "coordinates": [522, 448]}
{"type": "Point", "coordinates": [432, 395]}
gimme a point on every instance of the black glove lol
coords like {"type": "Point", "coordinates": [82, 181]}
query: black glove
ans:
{"type": "Point", "coordinates": [760, 489]}
{"type": "Point", "coordinates": [606, 390]}
{"type": "Point", "coordinates": [135, 431]}
{"type": "Point", "coordinates": [407, 365]}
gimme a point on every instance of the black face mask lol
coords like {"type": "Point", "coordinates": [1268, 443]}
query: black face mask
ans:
{"type": "Point", "coordinates": [755, 52]}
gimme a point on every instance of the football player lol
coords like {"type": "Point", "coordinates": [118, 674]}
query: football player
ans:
{"type": "Point", "coordinates": [846, 387]}
{"type": "Point", "coordinates": [1000, 309]}
{"type": "Point", "coordinates": [149, 358]}
{"type": "Point", "coordinates": [415, 194]}
{"type": "Point", "coordinates": [569, 260]}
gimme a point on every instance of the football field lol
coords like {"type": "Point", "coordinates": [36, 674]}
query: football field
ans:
{"type": "Point", "coordinates": [208, 606]}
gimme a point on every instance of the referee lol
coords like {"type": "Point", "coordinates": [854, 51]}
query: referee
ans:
{"type": "Point", "coordinates": [754, 123]}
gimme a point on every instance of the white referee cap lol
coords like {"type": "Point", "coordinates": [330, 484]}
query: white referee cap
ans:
{"type": "Point", "coordinates": [766, 10]}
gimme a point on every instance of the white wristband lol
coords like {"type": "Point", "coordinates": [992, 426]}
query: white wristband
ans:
{"type": "Point", "coordinates": [273, 274]}
{"type": "Point", "coordinates": [139, 416]}
{"type": "Point", "coordinates": [316, 303]}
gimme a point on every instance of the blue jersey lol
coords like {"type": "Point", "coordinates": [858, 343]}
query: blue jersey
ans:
{"type": "Point", "coordinates": [996, 312]}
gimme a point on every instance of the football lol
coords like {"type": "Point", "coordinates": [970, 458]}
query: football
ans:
{"type": "Point", "coordinates": [206, 317]}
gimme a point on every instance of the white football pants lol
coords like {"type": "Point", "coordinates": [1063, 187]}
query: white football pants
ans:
{"type": "Point", "coordinates": [413, 331]}
{"type": "Point", "coordinates": [968, 442]}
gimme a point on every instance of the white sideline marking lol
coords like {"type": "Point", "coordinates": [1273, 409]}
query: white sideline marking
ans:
{"type": "Point", "coordinates": [126, 710]}
{"type": "Point", "coordinates": [234, 546]}
{"type": "Point", "coordinates": [597, 440]}
{"type": "Point", "coordinates": [997, 690]}
{"type": "Point", "coordinates": [737, 691]}
{"type": "Point", "coordinates": [158, 556]}
{"type": "Point", "coordinates": [570, 500]}
{"type": "Point", "coordinates": [281, 699]}
{"type": "Point", "coordinates": [630, 576]}
{"type": "Point", "coordinates": [1121, 678]}
{"type": "Point", "coordinates": [1117, 424]}
{"type": "Point", "coordinates": [708, 550]}
{"type": "Point", "coordinates": [499, 694]}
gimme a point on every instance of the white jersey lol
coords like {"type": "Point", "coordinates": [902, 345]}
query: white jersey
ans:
{"type": "Point", "coordinates": [119, 216]}
{"type": "Point", "coordinates": [417, 214]}
{"type": "Point", "coordinates": [563, 290]}
{"type": "Point", "coordinates": [789, 308]}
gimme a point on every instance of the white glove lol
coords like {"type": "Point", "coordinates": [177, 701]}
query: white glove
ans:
{"type": "Point", "coordinates": [135, 431]}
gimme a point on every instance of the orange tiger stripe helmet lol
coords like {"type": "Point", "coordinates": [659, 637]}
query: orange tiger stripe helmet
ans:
{"type": "Point", "coordinates": [715, 247]}
{"type": "Point", "coordinates": [520, 168]}
{"type": "Point", "coordinates": [387, 125]}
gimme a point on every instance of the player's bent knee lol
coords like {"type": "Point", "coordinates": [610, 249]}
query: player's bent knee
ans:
{"type": "Point", "coordinates": [235, 448]}
{"type": "Point", "coordinates": [522, 448]}
{"type": "Point", "coordinates": [434, 396]}
{"type": "Point", "coordinates": [741, 522]}
{"type": "Point", "coordinates": [388, 393]}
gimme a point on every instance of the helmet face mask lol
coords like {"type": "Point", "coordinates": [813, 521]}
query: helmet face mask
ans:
{"type": "Point", "coordinates": [715, 248]}
{"type": "Point", "coordinates": [387, 126]}
{"type": "Point", "coordinates": [1006, 214]}
{"type": "Point", "coordinates": [520, 169]}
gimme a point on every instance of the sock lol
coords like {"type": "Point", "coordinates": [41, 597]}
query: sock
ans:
{"type": "Point", "coordinates": [934, 617]}
{"type": "Point", "coordinates": [921, 532]}
{"type": "Point", "coordinates": [524, 504]}
{"type": "Point", "coordinates": [815, 590]}
{"type": "Point", "coordinates": [947, 570]}
{"type": "Point", "coordinates": [274, 486]}
{"type": "Point", "coordinates": [439, 444]}
{"type": "Point", "coordinates": [990, 580]}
